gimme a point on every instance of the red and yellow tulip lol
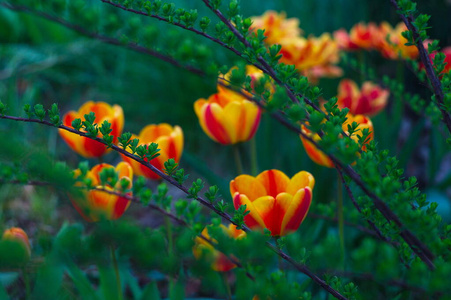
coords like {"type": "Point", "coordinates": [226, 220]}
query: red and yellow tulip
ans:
{"type": "Point", "coordinates": [227, 117]}
{"type": "Point", "coordinates": [170, 143]}
{"type": "Point", "coordinates": [87, 147]}
{"type": "Point", "coordinates": [18, 236]}
{"type": "Point", "coordinates": [370, 100]}
{"type": "Point", "coordinates": [319, 156]}
{"type": "Point", "coordinates": [361, 36]}
{"type": "Point", "coordinates": [96, 205]}
{"type": "Point", "coordinates": [277, 27]}
{"type": "Point", "coordinates": [275, 201]}
{"type": "Point", "coordinates": [219, 262]}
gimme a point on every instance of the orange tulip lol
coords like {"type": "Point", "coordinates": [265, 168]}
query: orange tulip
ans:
{"type": "Point", "coordinates": [227, 117]}
{"type": "Point", "coordinates": [275, 201]}
{"type": "Point", "coordinates": [391, 43]}
{"type": "Point", "coordinates": [87, 147]}
{"type": "Point", "coordinates": [370, 100]}
{"type": "Point", "coordinates": [98, 205]}
{"type": "Point", "coordinates": [319, 156]}
{"type": "Point", "coordinates": [277, 27]}
{"type": "Point", "coordinates": [170, 143]}
{"type": "Point", "coordinates": [17, 235]}
{"type": "Point", "coordinates": [219, 262]}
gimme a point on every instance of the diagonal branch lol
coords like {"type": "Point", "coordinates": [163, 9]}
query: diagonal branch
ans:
{"type": "Point", "coordinates": [103, 38]}
{"type": "Point", "coordinates": [433, 78]}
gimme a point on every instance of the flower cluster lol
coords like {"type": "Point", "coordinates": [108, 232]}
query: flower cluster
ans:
{"type": "Point", "coordinates": [314, 57]}
{"type": "Point", "coordinates": [383, 38]}
{"type": "Point", "coordinates": [96, 205]}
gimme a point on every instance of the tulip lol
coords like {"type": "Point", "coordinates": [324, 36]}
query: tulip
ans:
{"type": "Point", "coordinates": [227, 117]}
{"type": "Point", "coordinates": [14, 247]}
{"type": "Point", "coordinates": [277, 27]}
{"type": "Point", "coordinates": [87, 147]}
{"type": "Point", "coordinates": [361, 36]}
{"type": "Point", "coordinates": [219, 262]}
{"type": "Point", "coordinates": [370, 100]}
{"type": "Point", "coordinates": [319, 156]}
{"type": "Point", "coordinates": [95, 205]}
{"type": "Point", "coordinates": [274, 201]}
{"type": "Point", "coordinates": [170, 143]}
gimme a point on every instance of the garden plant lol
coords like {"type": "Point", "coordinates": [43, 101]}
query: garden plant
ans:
{"type": "Point", "coordinates": [225, 149]}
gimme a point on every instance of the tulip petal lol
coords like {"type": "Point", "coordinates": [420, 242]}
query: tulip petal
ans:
{"type": "Point", "coordinates": [299, 181]}
{"type": "Point", "coordinates": [274, 181]}
{"type": "Point", "coordinates": [249, 186]}
{"type": "Point", "coordinates": [252, 219]}
{"type": "Point", "coordinates": [297, 211]}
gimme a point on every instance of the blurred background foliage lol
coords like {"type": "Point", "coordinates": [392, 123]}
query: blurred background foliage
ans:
{"type": "Point", "coordinates": [43, 62]}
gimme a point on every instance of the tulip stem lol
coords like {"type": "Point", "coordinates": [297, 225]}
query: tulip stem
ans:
{"type": "Point", "coordinates": [116, 270]}
{"type": "Point", "coordinates": [254, 162]}
{"type": "Point", "coordinates": [170, 247]}
{"type": "Point", "coordinates": [26, 279]}
{"type": "Point", "coordinates": [238, 163]}
{"type": "Point", "coordinates": [341, 219]}
{"type": "Point", "coordinates": [226, 285]}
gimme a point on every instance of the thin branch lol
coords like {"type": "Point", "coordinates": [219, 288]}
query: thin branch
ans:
{"type": "Point", "coordinates": [137, 200]}
{"type": "Point", "coordinates": [424, 56]}
{"type": "Point", "coordinates": [103, 38]}
{"type": "Point", "coordinates": [300, 267]}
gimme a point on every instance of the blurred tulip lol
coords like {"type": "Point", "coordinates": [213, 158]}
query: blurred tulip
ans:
{"type": "Point", "coordinates": [17, 235]}
{"type": "Point", "coordinates": [170, 143]}
{"type": "Point", "coordinates": [317, 54]}
{"type": "Point", "coordinates": [447, 52]}
{"type": "Point", "coordinates": [219, 262]}
{"type": "Point", "coordinates": [227, 117]}
{"type": "Point", "coordinates": [319, 156]}
{"type": "Point", "coordinates": [96, 205]}
{"type": "Point", "coordinates": [87, 147]}
{"type": "Point", "coordinates": [275, 201]}
{"type": "Point", "coordinates": [370, 100]}
{"type": "Point", "coordinates": [277, 27]}
{"type": "Point", "coordinates": [361, 36]}
{"type": "Point", "coordinates": [391, 43]}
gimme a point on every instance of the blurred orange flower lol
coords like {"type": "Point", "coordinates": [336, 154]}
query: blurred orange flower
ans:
{"type": "Point", "coordinates": [227, 117]}
{"type": "Point", "coordinates": [95, 205]}
{"type": "Point", "coordinates": [319, 156]}
{"type": "Point", "coordinates": [17, 235]}
{"type": "Point", "coordinates": [391, 43]}
{"type": "Point", "coordinates": [370, 100]}
{"type": "Point", "coordinates": [170, 143]}
{"type": "Point", "coordinates": [275, 201]}
{"type": "Point", "coordinates": [277, 27]}
{"type": "Point", "coordinates": [87, 147]}
{"type": "Point", "coordinates": [219, 261]}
